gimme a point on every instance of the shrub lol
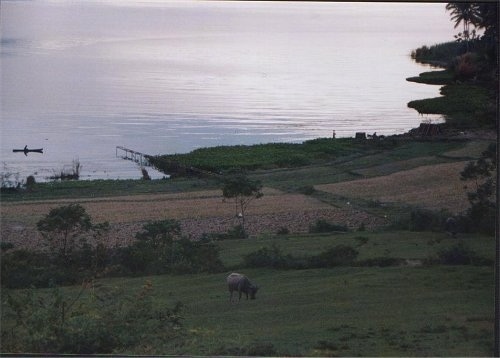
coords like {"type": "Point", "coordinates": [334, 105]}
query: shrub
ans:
{"type": "Point", "coordinates": [458, 254]}
{"type": "Point", "coordinates": [340, 255]}
{"type": "Point", "coordinates": [420, 220]}
{"type": "Point", "coordinates": [156, 252]}
{"type": "Point", "coordinates": [98, 323]}
{"type": "Point", "coordinates": [23, 268]}
{"type": "Point", "coordinates": [362, 240]}
{"type": "Point", "coordinates": [235, 233]}
{"type": "Point", "coordinates": [321, 226]}
{"type": "Point", "coordinates": [30, 182]}
{"type": "Point", "coordinates": [5, 246]}
{"type": "Point", "coordinates": [270, 257]}
{"type": "Point", "coordinates": [465, 66]}
{"type": "Point", "coordinates": [426, 220]}
{"type": "Point", "coordinates": [307, 190]}
{"type": "Point", "coordinates": [283, 231]}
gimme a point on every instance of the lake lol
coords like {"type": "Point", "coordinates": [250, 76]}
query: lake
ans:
{"type": "Point", "coordinates": [79, 78]}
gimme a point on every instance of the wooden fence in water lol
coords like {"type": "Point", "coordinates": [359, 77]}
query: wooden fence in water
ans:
{"type": "Point", "coordinates": [129, 154]}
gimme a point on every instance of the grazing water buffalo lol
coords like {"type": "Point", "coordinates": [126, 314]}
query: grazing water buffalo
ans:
{"type": "Point", "coordinates": [240, 283]}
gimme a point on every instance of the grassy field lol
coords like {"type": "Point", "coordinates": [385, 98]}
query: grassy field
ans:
{"type": "Point", "coordinates": [442, 311]}
{"type": "Point", "coordinates": [345, 311]}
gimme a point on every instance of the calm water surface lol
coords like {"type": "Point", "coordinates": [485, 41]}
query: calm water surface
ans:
{"type": "Point", "coordinates": [79, 78]}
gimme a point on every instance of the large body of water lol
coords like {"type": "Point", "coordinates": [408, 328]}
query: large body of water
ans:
{"type": "Point", "coordinates": [79, 78]}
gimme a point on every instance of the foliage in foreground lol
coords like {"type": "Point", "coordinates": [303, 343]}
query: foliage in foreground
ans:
{"type": "Point", "coordinates": [97, 320]}
{"type": "Point", "coordinates": [483, 205]}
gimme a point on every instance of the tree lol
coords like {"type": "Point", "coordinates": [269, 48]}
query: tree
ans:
{"type": "Point", "coordinates": [159, 236]}
{"type": "Point", "coordinates": [482, 210]}
{"type": "Point", "coordinates": [242, 191]}
{"type": "Point", "coordinates": [466, 13]}
{"type": "Point", "coordinates": [62, 226]}
{"type": "Point", "coordinates": [488, 14]}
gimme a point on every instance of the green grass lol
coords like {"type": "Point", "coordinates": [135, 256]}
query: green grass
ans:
{"type": "Point", "coordinates": [443, 77]}
{"type": "Point", "coordinates": [369, 312]}
{"type": "Point", "coordinates": [464, 99]}
{"type": "Point", "coordinates": [103, 188]}
{"type": "Point", "coordinates": [397, 244]}
{"type": "Point", "coordinates": [438, 311]}
{"type": "Point", "coordinates": [272, 155]}
{"type": "Point", "coordinates": [348, 311]}
{"type": "Point", "coordinates": [407, 155]}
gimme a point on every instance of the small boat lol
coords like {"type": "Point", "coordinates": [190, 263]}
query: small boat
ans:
{"type": "Point", "coordinates": [26, 150]}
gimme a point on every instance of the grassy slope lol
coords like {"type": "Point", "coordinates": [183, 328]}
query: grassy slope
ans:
{"type": "Point", "coordinates": [360, 311]}
{"type": "Point", "coordinates": [348, 311]}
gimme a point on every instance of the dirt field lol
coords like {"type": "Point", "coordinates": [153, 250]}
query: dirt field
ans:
{"type": "Point", "coordinates": [199, 212]}
{"type": "Point", "coordinates": [432, 186]}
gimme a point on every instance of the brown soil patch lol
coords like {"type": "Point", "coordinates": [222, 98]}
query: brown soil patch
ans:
{"type": "Point", "coordinates": [198, 212]}
{"type": "Point", "coordinates": [432, 186]}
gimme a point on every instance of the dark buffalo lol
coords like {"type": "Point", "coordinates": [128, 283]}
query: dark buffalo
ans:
{"type": "Point", "coordinates": [240, 283]}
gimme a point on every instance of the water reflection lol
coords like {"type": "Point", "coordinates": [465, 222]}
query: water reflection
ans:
{"type": "Point", "coordinates": [80, 78]}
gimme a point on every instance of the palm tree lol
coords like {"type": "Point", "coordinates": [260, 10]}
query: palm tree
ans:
{"type": "Point", "coordinates": [466, 13]}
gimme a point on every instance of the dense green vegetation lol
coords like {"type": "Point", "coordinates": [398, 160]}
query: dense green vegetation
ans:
{"type": "Point", "coordinates": [438, 54]}
{"type": "Point", "coordinates": [101, 188]}
{"type": "Point", "coordinates": [470, 76]}
{"type": "Point", "coordinates": [464, 104]}
{"type": "Point", "coordinates": [434, 77]}
{"type": "Point", "coordinates": [269, 156]}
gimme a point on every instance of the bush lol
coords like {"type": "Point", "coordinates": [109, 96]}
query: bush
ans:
{"type": "Point", "coordinates": [98, 323]}
{"type": "Point", "coordinates": [184, 256]}
{"type": "Point", "coordinates": [321, 226]}
{"type": "Point", "coordinates": [30, 182]}
{"type": "Point", "coordinates": [5, 246]}
{"type": "Point", "coordinates": [340, 255]}
{"type": "Point", "coordinates": [361, 240]}
{"type": "Point", "coordinates": [235, 233]}
{"type": "Point", "coordinates": [271, 258]}
{"type": "Point", "coordinates": [465, 66]}
{"type": "Point", "coordinates": [458, 254]}
{"type": "Point", "coordinates": [421, 220]}
{"type": "Point", "coordinates": [283, 231]}
{"type": "Point", "coordinates": [307, 190]}
{"type": "Point", "coordinates": [426, 220]}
